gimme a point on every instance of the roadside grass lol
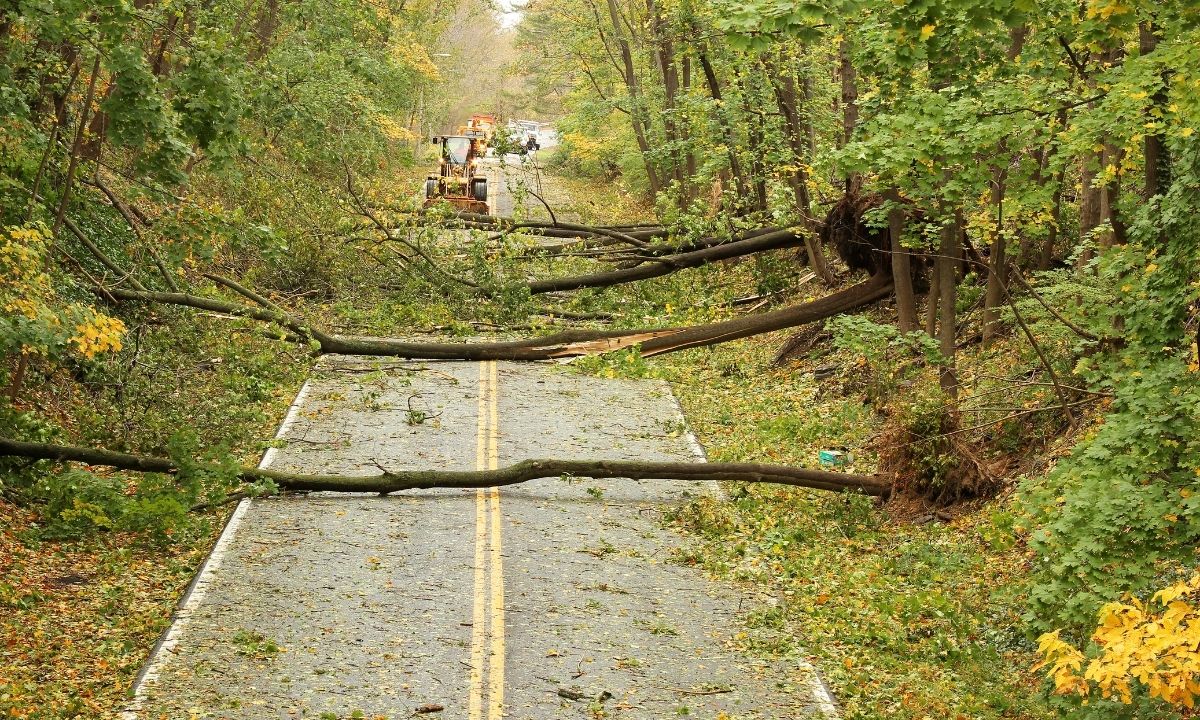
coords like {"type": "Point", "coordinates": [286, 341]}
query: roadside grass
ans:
{"type": "Point", "coordinates": [905, 615]}
{"type": "Point", "coordinates": [587, 201]}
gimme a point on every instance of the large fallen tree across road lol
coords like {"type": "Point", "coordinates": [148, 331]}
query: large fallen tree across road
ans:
{"type": "Point", "coordinates": [390, 481]}
{"type": "Point", "coordinates": [571, 343]}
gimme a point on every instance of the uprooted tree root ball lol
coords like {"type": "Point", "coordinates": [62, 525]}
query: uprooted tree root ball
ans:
{"type": "Point", "coordinates": [923, 447]}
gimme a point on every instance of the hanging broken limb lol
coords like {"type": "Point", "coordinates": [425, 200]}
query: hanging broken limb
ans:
{"type": "Point", "coordinates": [635, 236]}
{"type": "Point", "coordinates": [633, 257]}
{"type": "Point", "coordinates": [390, 481]}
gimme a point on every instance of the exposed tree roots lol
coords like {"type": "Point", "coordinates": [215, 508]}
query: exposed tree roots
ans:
{"type": "Point", "coordinates": [390, 481]}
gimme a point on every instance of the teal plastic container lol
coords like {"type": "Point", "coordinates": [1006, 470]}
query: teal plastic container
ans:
{"type": "Point", "coordinates": [833, 458]}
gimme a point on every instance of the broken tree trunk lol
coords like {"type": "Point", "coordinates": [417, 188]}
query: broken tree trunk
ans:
{"type": "Point", "coordinates": [390, 481]}
{"type": "Point", "coordinates": [593, 236]}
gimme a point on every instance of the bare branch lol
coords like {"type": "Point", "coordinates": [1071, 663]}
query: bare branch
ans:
{"type": "Point", "coordinates": [390, 481]}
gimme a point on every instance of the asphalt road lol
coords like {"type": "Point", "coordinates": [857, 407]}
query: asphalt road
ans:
{"type": "Point", "coordinates": [554, 599]}
{"type": "Point", "coordinates": [509, 179]}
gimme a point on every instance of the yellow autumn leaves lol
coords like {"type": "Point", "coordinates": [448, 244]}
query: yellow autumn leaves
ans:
{"type": "Point", "coordinates": [1155, 644]}
{"type": "Point", "coordinates": [22, 281]}
{"type": "Point", "coordinates": [27, 293]}
{"type": "Point", "coordinates": [1107, 9]}
{"type": "Point", "coordinates": [97, 335]}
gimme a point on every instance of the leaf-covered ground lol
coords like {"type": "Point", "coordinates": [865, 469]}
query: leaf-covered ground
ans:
{"type": "Point", "coordinates": [81, 605]}
{"type": "Point", "coordinates": [77, 618]}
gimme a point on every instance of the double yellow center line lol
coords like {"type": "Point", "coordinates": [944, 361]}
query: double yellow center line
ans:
{"type": "Point", "coordinates": [487, 627]}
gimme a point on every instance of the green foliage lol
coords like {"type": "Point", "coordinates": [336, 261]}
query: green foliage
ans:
{"type": "Point", "coordinates": [38, 320]}
{"type": "Point", "coordinates": [80, 502]}
{"type": "Point", "coordinates": [17, 473]}
{"type": "Point", "coordinates": [884, 356]}
{"type": "Point", "coordinates": [626, 363]}
{"type": "Point", "coordinates": [1125, 506]}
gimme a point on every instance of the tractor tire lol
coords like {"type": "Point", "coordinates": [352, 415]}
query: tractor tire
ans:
{"type": "Point", "coordinates": [431, 187]}
{"type": "Point", "coordinates": [479, 189]}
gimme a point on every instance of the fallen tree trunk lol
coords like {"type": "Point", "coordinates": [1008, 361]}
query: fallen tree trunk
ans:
{"type": "Point", "coordinates": [636, 235]}
{"type": "Point", "coordinates": [877, 287]}
{"type": "Point", "coordinates": [666, 264]}
{"type": "Point", "coordinates": [390, 481]}
{"type": "Point", "coordinates": [643, 260]}
{"type": "Point", "coordinates": [570, 343]}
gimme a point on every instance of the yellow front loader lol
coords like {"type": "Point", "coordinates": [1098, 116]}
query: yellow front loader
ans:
{"type": "Point", "coordinates": [458, 181]}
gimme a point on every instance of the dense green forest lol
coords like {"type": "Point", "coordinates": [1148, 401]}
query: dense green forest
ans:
{"type": "Point", "coordinates": [982, 220]}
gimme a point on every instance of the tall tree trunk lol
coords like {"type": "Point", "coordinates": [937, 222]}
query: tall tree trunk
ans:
{"type": "Point", "coordinates": [727, 136]}
{"type": "Point", "coordinates": [158, 60]}
{"type": "Point", "coordinates": [848, 79]}
{"type": "Point", "coordinates": [931, 301]}
{"type": "Point", "coordinates": [664, 55]}
{"type": "Point", "coordinates": [264, 31]}
{"type": "Point", "coordinates": [80, 133]}
{"type": "Point", "coordinates": [849, 82]}
{"type": "Point", "coordinates": [1110, 193]}
{"type": "Point", "coordinates": [949, 251]}
{"type": "Point", "coordinates": [1028, 248]}
{"type": "Point", "coordinates": [997, 280]}
{"type": "Point", "coordinates": [1089, 200]}
{"type": "Point", "coordinates": [1046, 257]}
{"type": "Point", "coordinates": [906, 304]}
{"type": "Point", "coordinates": [755, 136]}
{"type": "Point", "coordinates": [97, 129]}
{"type": "Point", "coordinates": [637, 110]}
{"type": "Point", "coordinates": [1031, 256]}
{"type": "Point", "coordinates": [1099, 202]}
{"type": "Point", "coordinates": [1158, 166]}
{"type": "Point", "coordinates": [51, 146]}
{"type": "Point", "coordinates": [689, 156]}
{"type": "Point", "coordinates": [48, 90]}
{"type": "Point", "coordinates": [783, 86]}
{"type": "Point", "coordinates": [806, 91]}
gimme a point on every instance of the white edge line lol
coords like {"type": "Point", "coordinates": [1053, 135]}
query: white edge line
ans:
{"type": "Point", "coordinates": [694, 445]}
{"type": "Point", "coordinates": [823, 700]}
{"type": "Point", "coordinates": [195, 593]}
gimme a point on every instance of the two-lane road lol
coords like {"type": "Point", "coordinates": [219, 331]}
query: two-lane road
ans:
{"type": "Point", "coordinates": [556, 598]}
